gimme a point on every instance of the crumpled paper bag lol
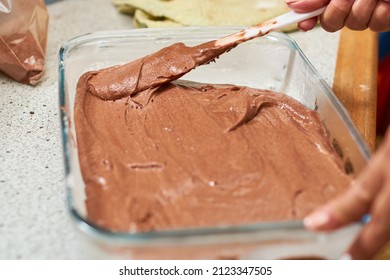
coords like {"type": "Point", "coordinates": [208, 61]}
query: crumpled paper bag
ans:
{"type": "Point", "coordinates": [173, 13]}
{"type": "Point", "coordinates": [23, 36]}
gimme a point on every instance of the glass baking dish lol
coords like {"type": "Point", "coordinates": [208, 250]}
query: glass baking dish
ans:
{"type": "Point", "coordinates": [272, 62]}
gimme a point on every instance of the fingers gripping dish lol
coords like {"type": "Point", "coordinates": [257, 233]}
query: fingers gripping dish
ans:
{"type": "Point", "coordinates": [183, 155]}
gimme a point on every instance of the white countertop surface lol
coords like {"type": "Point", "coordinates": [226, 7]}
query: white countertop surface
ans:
{"type": "Point", "coordinates": [34, 222]}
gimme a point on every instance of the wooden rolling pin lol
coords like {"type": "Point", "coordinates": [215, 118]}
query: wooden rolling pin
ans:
{"type": "Point", "coordinates": [355, 80]}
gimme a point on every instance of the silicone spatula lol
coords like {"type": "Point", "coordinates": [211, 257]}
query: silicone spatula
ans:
{"type": "Point", "coordinates": [172, 62]}
{"type": "Point", "coordinates": [268, 26]}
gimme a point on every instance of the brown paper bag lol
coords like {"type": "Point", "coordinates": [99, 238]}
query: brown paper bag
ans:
{"type": "Point", "coordinates": [23, 36]}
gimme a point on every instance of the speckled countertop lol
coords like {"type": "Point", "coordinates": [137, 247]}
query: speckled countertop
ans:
{"type": "Point", "coordinates": [34, 223]}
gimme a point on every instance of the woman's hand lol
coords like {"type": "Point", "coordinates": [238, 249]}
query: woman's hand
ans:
{"type": "Point", "coordinates": [354, 14]}
{"type": "Point", "coordinates": [369, 194]}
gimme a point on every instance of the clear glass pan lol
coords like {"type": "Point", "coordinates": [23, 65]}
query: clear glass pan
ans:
{"type": "Point", "coordinates": [271, 62]}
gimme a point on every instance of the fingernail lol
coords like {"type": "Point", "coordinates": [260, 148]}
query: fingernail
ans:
{"type": "Point", "coordinates": [291, 1]}
{"type": "Point", "coordinates": [300, 29]}
{"type": "Point", "coordinates": [346, 257]}
{"type": "Point", "coordinates": [316, 219]}
{"type": "Point", "coordinates": [366, 218]}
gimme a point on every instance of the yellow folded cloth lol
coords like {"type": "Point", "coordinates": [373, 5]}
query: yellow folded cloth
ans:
{"type": "Point", "coordinates": [173, 13]}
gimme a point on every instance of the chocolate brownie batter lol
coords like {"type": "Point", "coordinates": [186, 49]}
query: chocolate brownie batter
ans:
{"type": "Point", "coordinates": [183, 155]}
{"type": "Point", "coordinates": [151, 71]}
